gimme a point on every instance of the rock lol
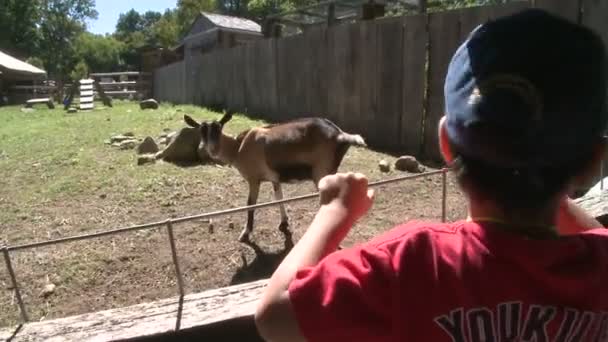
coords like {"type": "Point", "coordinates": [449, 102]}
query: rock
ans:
{"type": "Point", "coordinates": [72, 110]}
{"type": "Point", "coordinates": [384, 166]}
{"type": "Point", "coordinates": [596, 204]}
{"type": "Point", "coordinates": [146, 159]}
{"type": "Point", "coordinates": [148, 104]}
{"type": "Point", "coordinates": [107, 142]}
{"type": "Point", "coordinates": [129, 134]}
{"type": "Point", "coordinates": [163, 141]}
{"type": "Point", "coordinates": [171, 135]}
{"type": "Point", "coordinates": [147, 146]}
{"type": "Point", "coordinates": [128, 144]}
{"type": "Point", "coordinates": [120, 138]}
{"type": "Point", "coordinates": [408, 164]}
{"type": "Point", "coordinates": [48, 290]}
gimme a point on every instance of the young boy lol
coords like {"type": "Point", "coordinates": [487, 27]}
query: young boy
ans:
{"type": "Point", "coordinates": [525, 113]}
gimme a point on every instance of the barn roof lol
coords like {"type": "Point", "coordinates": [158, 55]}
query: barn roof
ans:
{"type": "Point", "coordinates": [230, 22]}
{"type": "Point", "coordinates": [10, 64]}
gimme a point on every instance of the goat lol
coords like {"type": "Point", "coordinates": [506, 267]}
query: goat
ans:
{"type": "Point", "coordinates": [293, 151]}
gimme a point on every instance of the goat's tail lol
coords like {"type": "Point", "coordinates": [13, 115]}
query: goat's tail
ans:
{"type": "Point", "coordinates": [352, 139]}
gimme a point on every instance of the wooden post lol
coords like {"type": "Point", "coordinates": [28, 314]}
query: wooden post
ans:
{"type": "Point", "coordinates": [331, 14]}
{"type": "Point", "coordinates": [422, 6]}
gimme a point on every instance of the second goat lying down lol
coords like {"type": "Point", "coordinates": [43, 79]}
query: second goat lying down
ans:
{"type": "Point", "coordinates": [297, 150]}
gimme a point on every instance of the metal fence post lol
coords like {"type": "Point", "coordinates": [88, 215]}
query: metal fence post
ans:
{"type": "Point", "coordinates": [11, 272]}
{"type": "Point", "coordinates": [178, 273]}
{"type": "Point", "coordinates": [444, 185]}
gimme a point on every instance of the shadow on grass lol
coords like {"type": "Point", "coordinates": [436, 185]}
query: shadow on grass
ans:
{"type": "Point", "coordinates": [264, 263]}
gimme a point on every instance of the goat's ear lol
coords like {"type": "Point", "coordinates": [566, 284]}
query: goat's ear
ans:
{"type": "Point", "coordinates": [226, 118]}
{"type": "Point", "coordinates": [191, 122]}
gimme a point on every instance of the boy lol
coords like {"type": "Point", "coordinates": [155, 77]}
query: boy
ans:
{"type": "Point", "coordinates": [525, 112]}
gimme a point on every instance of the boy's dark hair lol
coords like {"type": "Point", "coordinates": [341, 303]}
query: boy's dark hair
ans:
{"type": "Point", "coordinates": [525, 107]}
{"type": "Point", "coordinates": [517, 190]}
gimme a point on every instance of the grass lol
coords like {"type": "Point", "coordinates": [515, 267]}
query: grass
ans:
{"type": "Point", "coordinates": [60, 179]}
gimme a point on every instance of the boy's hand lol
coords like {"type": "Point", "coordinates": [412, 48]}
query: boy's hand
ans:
{"type": "Point", "coordinates": [347, 193]}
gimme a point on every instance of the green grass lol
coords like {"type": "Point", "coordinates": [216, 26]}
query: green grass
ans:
{"type": "Point", "coordinates": [50, 155]}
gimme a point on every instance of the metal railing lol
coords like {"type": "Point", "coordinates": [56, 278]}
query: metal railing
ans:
{"type": "Point", "coordinates": [7, 250]}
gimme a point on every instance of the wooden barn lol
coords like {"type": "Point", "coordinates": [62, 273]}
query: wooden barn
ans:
{"type": "Point", "coordinates": [211, 31]}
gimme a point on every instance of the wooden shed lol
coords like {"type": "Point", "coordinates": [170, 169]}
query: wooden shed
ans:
{"type": "Point", "coordinates": [18, 80]}
{"type": "Point", "coordinates": [211, 31]}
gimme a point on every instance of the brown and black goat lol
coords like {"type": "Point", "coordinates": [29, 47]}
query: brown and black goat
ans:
{"type": "Point", "coordinates": [293, 151]}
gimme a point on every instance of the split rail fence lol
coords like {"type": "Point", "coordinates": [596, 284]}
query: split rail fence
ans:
{"type": "Point", "coordinates": [169, 225]}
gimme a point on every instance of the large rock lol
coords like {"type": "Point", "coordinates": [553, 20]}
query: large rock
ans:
{"type": "Point", "coordinates": [147, 146]}
{"type": "Point", "coordinates": [596, 204]}
{"type": "Point", "coordinates": [128, 144]}
{"type": "Point", "coordinates": [148, 104]}
{"type": "Point", "coordinates": [408, 164]}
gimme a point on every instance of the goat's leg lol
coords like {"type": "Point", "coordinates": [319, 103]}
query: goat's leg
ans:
{"type": "Point", "coordinates": [254, 190]}
{"type": "Point", "coordinates": [278, 195]}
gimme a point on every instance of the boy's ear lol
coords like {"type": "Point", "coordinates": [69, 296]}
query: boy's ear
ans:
{"type": "Point", "coordinates": [444, 143]}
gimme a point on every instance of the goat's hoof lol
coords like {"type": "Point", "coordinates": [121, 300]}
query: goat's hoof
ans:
{"type": "Point", "coordinates": [244, 237]}
{"type": "Point", "coordinates": [284, 227]}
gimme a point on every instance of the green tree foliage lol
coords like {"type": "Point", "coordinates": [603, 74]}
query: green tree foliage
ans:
{"type": "Point", "coordinates": [19, 34]}
{"type": "Point", "coordinates": [100, 53]}
{"type": "Point", "coordinates": [35, 61]}
{"type": "Point", "coordinates": [80, 71]}
{"type": "Point", "coordinates": [188, 10]}
{"type": "Point", "coordinates": [61, 22]}
{"type": "Point", "coordinates": [167, 29]}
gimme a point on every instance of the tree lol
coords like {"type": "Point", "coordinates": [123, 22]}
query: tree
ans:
{"type": "Point", "coordinates": [100, 53]}
{"type": "Point", "coordinates": [128, 23]}
{"type": "Point", "coordinates": [18, 19]}
{"type": "Point", "coordinates": [61, 21]}
{"type": "Point", "coordinates": [188, 10]}
{"type": "Point", "coordinates": [81, 70]}
{"type": "Point", "coordinates": [167, 30]}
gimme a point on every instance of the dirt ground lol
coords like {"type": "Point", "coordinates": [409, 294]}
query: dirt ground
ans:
{"type": "Point", "coordinates": [136, 267]}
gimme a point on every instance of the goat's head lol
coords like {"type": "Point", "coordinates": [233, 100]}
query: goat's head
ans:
{"type": "Point", "coordinates": [211, 132]}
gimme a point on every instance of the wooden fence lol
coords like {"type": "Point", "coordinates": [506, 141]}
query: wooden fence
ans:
{"type": "Point", "coordinates": [370, 77]}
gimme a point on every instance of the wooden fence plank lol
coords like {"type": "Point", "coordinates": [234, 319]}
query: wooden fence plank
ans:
{"type": "Point", "coordinates": [473, 17]}
{"type": "Point", "coordinates": [261, 79]}
{"type": "Point", "coordinates": [444, 39]}
{"type": "Point", "coordinates": [568, 9]}
{"type": "Point", "coordinates": [316, 66]}
{"type": "Point", "coordinates": [292, 78]}
{"type": "Point", "coordinates": [595, 16]}
{"type": "Point", "coordinates": [415, 38]}
{"type": "Point", "coordinates": [138, 321]}
{"type": "Point", "coordinates": [388, 84]}
{"type": "Point", "coordinates": [365, 119]}
{"type": "Point", "coordinates": [509, 8]}
{"type": "Point", "coordinates": [343, 98]}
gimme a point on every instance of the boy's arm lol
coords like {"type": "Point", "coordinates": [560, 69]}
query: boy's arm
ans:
{"type": "Point", "coordinates": [344, 199]}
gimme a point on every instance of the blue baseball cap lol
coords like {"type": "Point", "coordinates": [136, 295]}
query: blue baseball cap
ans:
{"type": "Point", "coordinates": [527, 89]}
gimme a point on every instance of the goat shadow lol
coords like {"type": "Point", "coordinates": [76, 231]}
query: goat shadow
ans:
{"type": "Point", "coordinates": [264, 263]}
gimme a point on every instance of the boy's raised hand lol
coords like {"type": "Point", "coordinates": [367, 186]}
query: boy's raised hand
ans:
{"type": "Point", "coordinates": [347, 193]}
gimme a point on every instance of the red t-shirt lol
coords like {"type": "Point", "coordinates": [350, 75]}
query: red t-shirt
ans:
{"type": "Point", "coordinates": [457, 282]}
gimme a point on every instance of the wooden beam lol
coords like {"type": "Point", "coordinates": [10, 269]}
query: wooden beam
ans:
{"type": "Point", "coordinates": [197, 311]}
{"type": "Point", "coordinates": [311, 14]}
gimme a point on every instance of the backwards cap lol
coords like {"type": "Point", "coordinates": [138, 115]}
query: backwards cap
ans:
{"type": "Point", "coordinates": [527, 90]}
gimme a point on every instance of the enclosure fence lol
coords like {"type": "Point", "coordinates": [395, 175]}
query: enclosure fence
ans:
{"type": "Point", "coordinates": [169, 223]}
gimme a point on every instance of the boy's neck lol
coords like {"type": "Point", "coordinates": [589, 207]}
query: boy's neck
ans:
{"type": "Point", "coordinates": [540, 224]}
